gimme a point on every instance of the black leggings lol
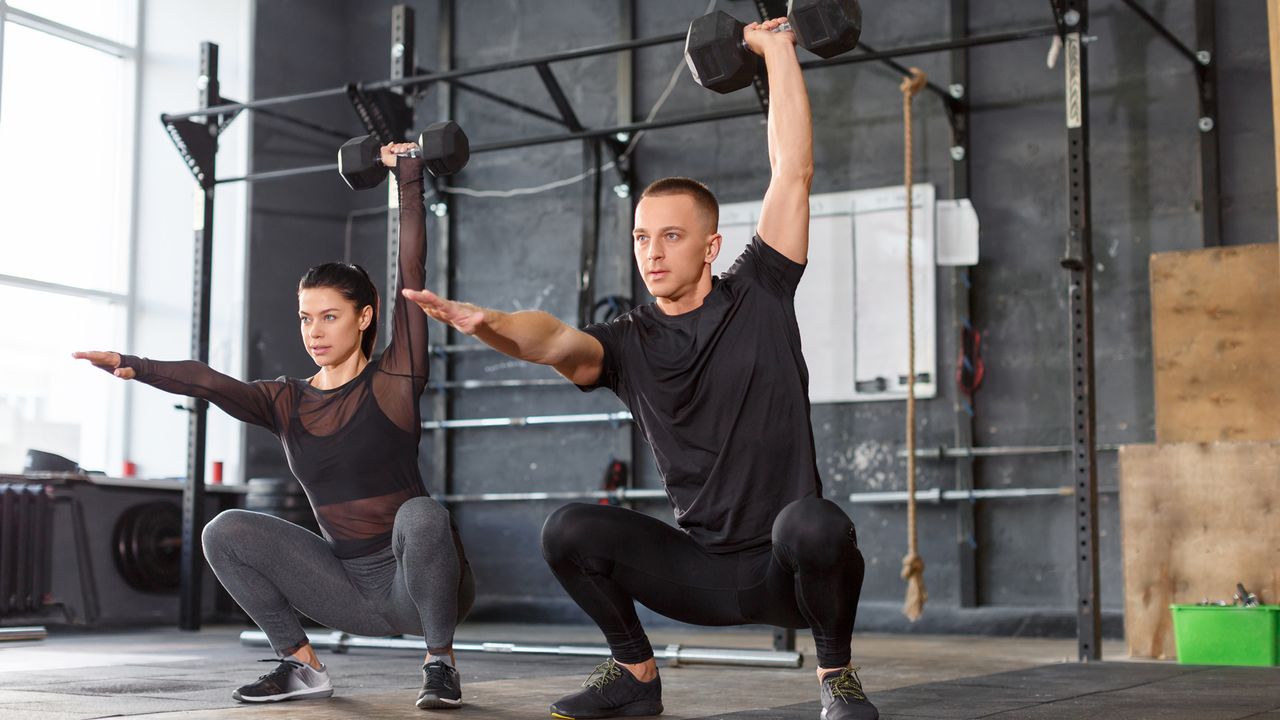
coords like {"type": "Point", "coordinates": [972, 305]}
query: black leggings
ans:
{"type": "Point", "coordinates": [810, 576]}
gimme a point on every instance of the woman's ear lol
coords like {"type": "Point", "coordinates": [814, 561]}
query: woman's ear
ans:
{"type": "Point", "coordinates": [366, 317]}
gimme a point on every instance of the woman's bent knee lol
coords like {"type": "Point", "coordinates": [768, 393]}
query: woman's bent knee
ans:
{"type": "Point", "coordinates": [227, 525]}
{"type": "Point", "coordinates": [423, 519]}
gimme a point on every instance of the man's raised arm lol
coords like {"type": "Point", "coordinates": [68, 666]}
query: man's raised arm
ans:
{"type": "Point", "coordinates": [784, 216]}
{"type": "Point", "coordinates": [530, 335]}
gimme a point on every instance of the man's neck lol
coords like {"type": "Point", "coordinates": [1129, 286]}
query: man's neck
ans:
{"type": "Point", "coordinates": [688, 299]}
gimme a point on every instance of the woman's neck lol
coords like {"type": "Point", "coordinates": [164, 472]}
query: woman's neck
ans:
{"type": "Point", "coordinates": [333, 376]}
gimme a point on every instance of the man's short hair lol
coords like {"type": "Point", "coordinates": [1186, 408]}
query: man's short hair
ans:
{"type": "Point", "coordinates": [703, 198]}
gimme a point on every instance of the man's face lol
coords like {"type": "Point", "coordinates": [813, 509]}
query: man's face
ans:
{"type": "Point", "coordinates": [674, 243]}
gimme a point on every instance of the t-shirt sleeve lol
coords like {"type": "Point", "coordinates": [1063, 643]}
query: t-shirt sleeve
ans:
{"type": "Point", "coordinates": [251, 402]}
{"type": "Point", "coordinates": [773, 270]}
{"type": "Point", "coordinates": [608, 333]}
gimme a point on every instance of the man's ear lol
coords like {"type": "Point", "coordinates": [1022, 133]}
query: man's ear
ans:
{"type": "Point", "coordinates": [713, 248]}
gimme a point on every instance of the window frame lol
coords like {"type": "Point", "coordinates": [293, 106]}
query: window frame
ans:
{"type": "Point", "coordinates": [131, 54]}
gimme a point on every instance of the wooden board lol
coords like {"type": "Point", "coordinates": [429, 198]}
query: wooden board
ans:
{"type": "Point", "coordinates": [1195, 519]}
{"type": "Point", "coordinates": [1215, 326]}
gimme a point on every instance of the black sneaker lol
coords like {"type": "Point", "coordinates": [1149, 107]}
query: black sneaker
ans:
{"type": "Point", "coordinates": [611, 691]}
{"type": "Point", "coordinates": [843, 699]}
{"type": "Point", "coordinates": [441, 687]}
{"type": "Point", "coordinates": [291, 680]}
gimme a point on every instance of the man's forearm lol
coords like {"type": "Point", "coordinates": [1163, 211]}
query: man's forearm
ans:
{"type": "Point", "coordinates": [529, 335]}
{"type": "Point", "coordinates": [790, 120]}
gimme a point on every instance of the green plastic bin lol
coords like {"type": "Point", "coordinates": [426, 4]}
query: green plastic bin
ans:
{"type": "Point", "coordinates": [1216, 635]}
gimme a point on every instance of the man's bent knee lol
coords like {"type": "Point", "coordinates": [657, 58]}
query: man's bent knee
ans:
{"type": "Point", "coordinates": [814, 527]}
{"type": "Point", "coordinates": [566, 528]}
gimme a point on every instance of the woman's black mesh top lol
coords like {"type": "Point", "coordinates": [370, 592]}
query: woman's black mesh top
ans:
{"type": "Point", "coordinates": [353, 448]}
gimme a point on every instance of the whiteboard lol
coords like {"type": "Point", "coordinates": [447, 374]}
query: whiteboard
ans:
{"type": "Point", "coordinates": [851, 302]}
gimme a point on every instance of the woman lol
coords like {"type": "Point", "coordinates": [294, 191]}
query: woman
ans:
{"type": "Point", "coordinates": [391, 561]}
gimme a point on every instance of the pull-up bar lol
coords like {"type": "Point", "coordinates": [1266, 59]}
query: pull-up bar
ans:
{"type": "Point", "coordinates": [629, 128]}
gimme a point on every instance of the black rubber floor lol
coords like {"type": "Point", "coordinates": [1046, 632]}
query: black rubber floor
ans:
{"type": "Point", "coordinates": [1072, 692]}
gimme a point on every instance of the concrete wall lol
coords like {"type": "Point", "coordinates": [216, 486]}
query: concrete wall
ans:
{"type": "Point", "coordinates": [523, 253]}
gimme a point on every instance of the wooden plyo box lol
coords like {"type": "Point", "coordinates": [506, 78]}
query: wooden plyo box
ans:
{"type": "Point", "coordinates": [1195, 519]}
{"type": "Point", "coordinates": [1215, 326]}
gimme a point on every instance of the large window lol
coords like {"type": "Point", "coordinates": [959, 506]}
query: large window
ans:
{"type": "Point", "coordinates": [67, 121]}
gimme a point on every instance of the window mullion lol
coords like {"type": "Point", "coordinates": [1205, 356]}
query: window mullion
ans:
{"type": "Point", "coordinates": [66, 32]}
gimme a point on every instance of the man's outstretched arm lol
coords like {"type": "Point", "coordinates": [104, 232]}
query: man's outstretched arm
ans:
{"type": "Point", "coordinates": [784, 216]}
{"type": "Point", "coordinates": [530, 335]}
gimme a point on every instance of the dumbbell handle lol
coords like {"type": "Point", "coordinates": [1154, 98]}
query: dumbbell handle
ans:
{"type": "Point", "coordinates": [411, 153]}
{"type": "Point", "coordinates": [784, 27]}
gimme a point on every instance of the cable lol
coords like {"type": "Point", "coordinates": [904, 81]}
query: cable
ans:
{"type": "Point", "coordinates": [470, 192]}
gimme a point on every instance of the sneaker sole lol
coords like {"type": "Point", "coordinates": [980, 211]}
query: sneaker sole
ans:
{"type": "Point", "coordinates": [636, 709]}
{"type": "Point", "coordinates": [295, 695]}
{"type": "Point", "coordinates": [438, 703]}
{"type": "Point", "coordinates": [824, 714]}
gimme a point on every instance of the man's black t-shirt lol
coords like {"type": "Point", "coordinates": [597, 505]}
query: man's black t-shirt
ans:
{"type": "Point", "coordinates": [722, 395]}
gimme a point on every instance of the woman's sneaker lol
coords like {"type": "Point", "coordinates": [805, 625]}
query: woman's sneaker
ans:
{"type": "Point", "coordinates": [441, 687]}
{"type": "Point", "coordinates": [611, 691]}
{"type": "Point", "coordinates": [291, 680]}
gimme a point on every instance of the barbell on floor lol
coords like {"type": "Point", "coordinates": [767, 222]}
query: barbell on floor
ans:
{"type": "Point", "coordinates": [674, 654]}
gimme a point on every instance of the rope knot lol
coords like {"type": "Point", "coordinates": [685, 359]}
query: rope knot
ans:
{"type": "Point", "coordinates": [913, 573]}
{"type": "Point", "coordinates": [916, 82]}
{"type": "Point", "coordinates": [912, 566]}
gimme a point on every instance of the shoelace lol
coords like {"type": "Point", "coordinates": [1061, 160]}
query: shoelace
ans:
{"type": "Point", "coordinates": [437, 674]}
{"type": "Point", "coordinates": [605, 673]}
{"type": "Point", "coordinates": [283, 668]}
{"type": "Point", "coordinates": [847, 685]}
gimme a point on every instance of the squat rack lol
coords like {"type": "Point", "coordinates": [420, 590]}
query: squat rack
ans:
{"type": "Point", "coordinates": [385, 110]}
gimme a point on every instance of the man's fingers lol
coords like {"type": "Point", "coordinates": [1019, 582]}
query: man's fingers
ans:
{"type": "Point", "coordinates": [423, 297]}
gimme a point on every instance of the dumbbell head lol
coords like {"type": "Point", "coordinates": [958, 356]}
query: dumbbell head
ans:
{"type": "Point", "coordinates": [713, 49]}
{"type": "Point", "coordinates": [360, 164]}
{"type": "Point", "coordinates": [445, 148]}
{"type": "Point", "coordinates": [826, 28]}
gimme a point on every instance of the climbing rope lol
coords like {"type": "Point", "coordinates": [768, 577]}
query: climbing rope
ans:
{"type": "Point", "coordinates": [912, 564]}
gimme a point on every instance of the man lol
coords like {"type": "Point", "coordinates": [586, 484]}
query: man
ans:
{"type": "Point", "coordinates": [714, 375]}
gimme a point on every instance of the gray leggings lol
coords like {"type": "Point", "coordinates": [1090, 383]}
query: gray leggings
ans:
{"type": "Point", "coordinates": [417, 586]}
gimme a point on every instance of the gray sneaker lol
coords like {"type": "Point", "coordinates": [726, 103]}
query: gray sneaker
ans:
{"type": "Point", "coordinates": [291, 680]}
{"type": "Point", "coordinates": [843, 699]}
{"type": "Point", "coordinates": [441, 687]}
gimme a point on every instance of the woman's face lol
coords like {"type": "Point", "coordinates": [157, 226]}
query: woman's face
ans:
{"type": "Point", "coordinates": [330, 324]}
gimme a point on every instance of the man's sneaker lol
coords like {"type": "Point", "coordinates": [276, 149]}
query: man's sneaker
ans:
{"type": "Point", "coordinates": [291, 680]}
{"type": "Point", "coordinates": [611, 691]}
{"type": "Point", "coordinates": [441, 687]}
{"type": "Point", "coordinates": [843, 699]}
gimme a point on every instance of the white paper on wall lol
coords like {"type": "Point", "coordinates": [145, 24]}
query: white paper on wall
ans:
{"type": "Point", "coordinates": [851, 302]}
{"type": "Point", "coordinates": [957, 233]}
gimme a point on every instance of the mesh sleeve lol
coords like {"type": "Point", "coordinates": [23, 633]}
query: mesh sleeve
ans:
{"type": "Point", "coordinates": [406, 362]}
{"type": "Point", "coordinates": [251, 402]}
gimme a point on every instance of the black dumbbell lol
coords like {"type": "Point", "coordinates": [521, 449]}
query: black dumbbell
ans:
{"type": "Point", "coordinates": [719, 58]}
{"type": "Point", "coordinates": [443, 145]}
